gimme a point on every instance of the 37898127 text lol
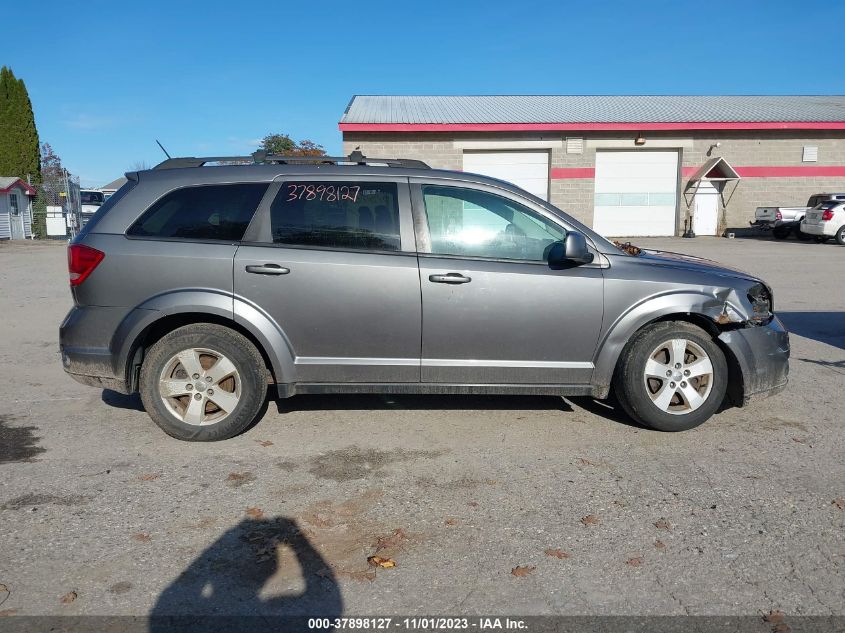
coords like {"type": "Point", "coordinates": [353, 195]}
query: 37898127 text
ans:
{"type": "Point", "coordinates": [329, 193]}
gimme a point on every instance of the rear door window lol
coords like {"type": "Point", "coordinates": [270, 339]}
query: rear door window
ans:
{"type": "Point", "coordinates": [206, 212]}
{"type": "Point", "coordinates": [353, 215]}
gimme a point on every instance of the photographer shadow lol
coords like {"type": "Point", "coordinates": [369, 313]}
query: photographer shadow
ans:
{"type": "Point", "coordinates": [221, 589]}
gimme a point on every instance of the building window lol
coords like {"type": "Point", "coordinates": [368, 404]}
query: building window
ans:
{"type": "Point", "coordinates": [13, 200]}
{"type": "Point", "coordinates": [811, 154]}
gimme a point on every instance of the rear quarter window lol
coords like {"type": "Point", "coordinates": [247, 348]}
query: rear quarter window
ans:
{"type": "Point", "coordinates": [205, 212]}
{"type": "Point", "coordinates": [343, 215]}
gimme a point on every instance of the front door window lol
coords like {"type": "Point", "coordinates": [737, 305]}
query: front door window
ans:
{"type": "Point", "coordinates": [472, 223]}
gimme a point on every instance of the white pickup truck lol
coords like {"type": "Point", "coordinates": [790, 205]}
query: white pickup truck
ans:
{"type": "Point", "coordinates": [785, 220]}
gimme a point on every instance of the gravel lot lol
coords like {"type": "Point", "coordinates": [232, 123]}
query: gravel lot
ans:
{"type": "Point", "coordinates": [741, 516]}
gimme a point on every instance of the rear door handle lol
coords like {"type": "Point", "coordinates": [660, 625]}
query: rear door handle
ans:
{"type": "Point", "coordinates": [267, 269]}
{"type": "Point", "coordinates": [450, 278]}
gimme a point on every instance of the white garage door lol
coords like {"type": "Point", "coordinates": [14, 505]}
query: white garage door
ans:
{"type": "Point", "coordinates": [636, 193]}
{"type": "Point", "coordinates": [529, 170]}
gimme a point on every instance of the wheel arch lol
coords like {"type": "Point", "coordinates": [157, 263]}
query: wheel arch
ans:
{"type": "Point", "coordinates": [697, 309]}
{"type": "Point", "coordinates": [150, 321]}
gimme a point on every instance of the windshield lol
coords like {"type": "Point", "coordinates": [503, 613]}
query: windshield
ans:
{"type": "Point", "coordinates": [92, 197]}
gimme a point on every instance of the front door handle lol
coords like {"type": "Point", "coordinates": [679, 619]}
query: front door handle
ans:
{"type": "Point", "coordinates": [450, 278]}
{"type": "Point", "coordinates": [267, 269]}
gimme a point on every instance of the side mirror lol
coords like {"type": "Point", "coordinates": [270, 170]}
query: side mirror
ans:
{"type": "Point", "coordinates": [571, 251]}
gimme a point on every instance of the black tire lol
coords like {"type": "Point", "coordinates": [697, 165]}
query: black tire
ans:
{"type": "Point", "coordinates": [780, 233]}
{"type": "Point", "coordinates": [840, 236]}
{"type": "Point", "coordinates": [250, 375]}
{"type": "Point", "coordinates": [799, 234]}
{"type": "Point", "coordinates": [632, 388]}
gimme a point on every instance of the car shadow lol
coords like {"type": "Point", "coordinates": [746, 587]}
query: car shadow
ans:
{"type": "Point", "coordinates": [439, 402]}
{"type": "Point", "coordinates": [608, 409]}
{"type": "Point", "coordinates": [122, 401]}
{"type": "Point", "coordinates": [221, 590]}
{"type": "Point", "coordinates": [825, 327]}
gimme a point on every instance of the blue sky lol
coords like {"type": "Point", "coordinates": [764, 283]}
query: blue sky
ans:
{"type": "Point", "coordinates": [107, 78]}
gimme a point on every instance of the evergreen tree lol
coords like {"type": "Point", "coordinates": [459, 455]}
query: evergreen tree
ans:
{"type": "Point", "coordinates": [19, 147]}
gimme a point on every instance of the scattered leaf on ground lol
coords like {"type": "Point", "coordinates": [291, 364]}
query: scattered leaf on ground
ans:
{"type": "Point", "coordinates": [149, 476]}
{"type": "Point", "coordinates": [4, 589]}
{"type": "Point", "coordinates": [239, 479]}
{"type": "Point", "coordinates": [378, 561]}
{"type": "Point", "coordinates": [265, 443]}
{"type": "Point", "coordinates": [491, 482]}
{"type": "Point", "coordinates": [585, 462]}
{"type": "Point", "coordinates": [662, 524]}
{"type": "Point", "coordinates": [142, 537]}
{"type": "Point", "coordinates": [69, 597]}
{"type": "Point", "coordinates": [451, 521]}
{"type": "Point", "coordinates": [556, 553]}
{"type": "Point", "coordinates": [659, 544]}
{"type": "Point", "coordinates": [255, 513]}
{"type": "Point", "coordinates": [590, 519]}
{"type": "Point", "coordinates": [523, 570]}
{"type": "Point", "coordinates": [839, 503]}
{"type": "Point", "coordinates": [7, 612]}
{"type": "Point", "coordinates": [775, 616]}
{"type": "Point", "coordinates": [798, 440]}
{"type": "Point", "coordinates": [394, 540]}
{"type": "Point", "coordinates": [635, 561]}
{"type": "Point", "coordinates": [472, 504]}
{"type": "Point", "coordinates": [776, 619]}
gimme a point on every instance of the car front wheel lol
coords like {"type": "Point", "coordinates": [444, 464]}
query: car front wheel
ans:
{"type": "Point", "coordinates": [840, 235]}
{"type": "Point", "coordinates": [672, 376]}
{"type": "Point", "coordinates": [203, 382]}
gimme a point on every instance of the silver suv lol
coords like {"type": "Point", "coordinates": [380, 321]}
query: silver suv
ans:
{"type": "Point", "coordinates": [199, 286]}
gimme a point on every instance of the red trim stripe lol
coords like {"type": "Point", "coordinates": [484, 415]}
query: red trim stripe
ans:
{"type": "Point", "coordinates": [801, 171]}
{"type": "Point", "coordinates": [533, 127]}
{"type": "Point", "coordinates": [563, 173]}
{"type": "Point", "coordinates": [797, 171]}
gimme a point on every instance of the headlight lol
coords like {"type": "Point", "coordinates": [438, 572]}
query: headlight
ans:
{"type": "Point", "coordinates": [760, 298]}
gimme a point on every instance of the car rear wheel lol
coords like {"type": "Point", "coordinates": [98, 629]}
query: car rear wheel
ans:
{"type": "Point", "coordinates": [840, 235]}
{"type": "Point", "coordinates": [203, 383]}
{"type": "Point", "coordinates": [780, 233]}
{"type": "Point", "coordinates": [671, 377]}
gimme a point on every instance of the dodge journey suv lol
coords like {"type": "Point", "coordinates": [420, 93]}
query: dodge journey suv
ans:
{"type": "Point", "coordinates": [200, 285]}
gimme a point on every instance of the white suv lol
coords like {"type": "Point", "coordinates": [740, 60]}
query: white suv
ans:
{"type": "Point", "coordinates": [825, 221]}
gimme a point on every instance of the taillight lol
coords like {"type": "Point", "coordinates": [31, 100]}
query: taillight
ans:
{"type": "Point", "coordinates": [827, 214]}
{"type": "Point", "coordinates": [81, 262]}
{"type": "Point", "coordinates": [778, 215]}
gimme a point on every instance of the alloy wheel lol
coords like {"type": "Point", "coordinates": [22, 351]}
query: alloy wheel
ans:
{"type": "Point", "coordinates": [200, 386]}
{"type": "Point", "coordinates": [678, 376]}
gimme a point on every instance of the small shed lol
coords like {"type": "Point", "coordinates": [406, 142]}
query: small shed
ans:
{"type": "Point", "coordinates": [15, 208]}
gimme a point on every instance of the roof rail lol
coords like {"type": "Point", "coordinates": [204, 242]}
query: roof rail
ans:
{"type": "Point", "coordinates": [261, 157]}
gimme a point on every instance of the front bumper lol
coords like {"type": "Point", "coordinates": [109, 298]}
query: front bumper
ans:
{"type": "Point", "coordinates": [762, 354]}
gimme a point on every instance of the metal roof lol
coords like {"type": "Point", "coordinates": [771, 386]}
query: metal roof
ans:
{"type": "Point", "coordinates": [535, 109]}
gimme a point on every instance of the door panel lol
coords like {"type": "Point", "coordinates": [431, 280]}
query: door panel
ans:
{"type": "Point", "coordinates": [494, 311]}
{"type": "Point", "coordinates": [349, 317]}
{"type": "Point", "coordinates": [706, 211]}
{"type": "Point", "coordinates": [333, 262]}
{"type": "Point", "coordinates": [512, 323]}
